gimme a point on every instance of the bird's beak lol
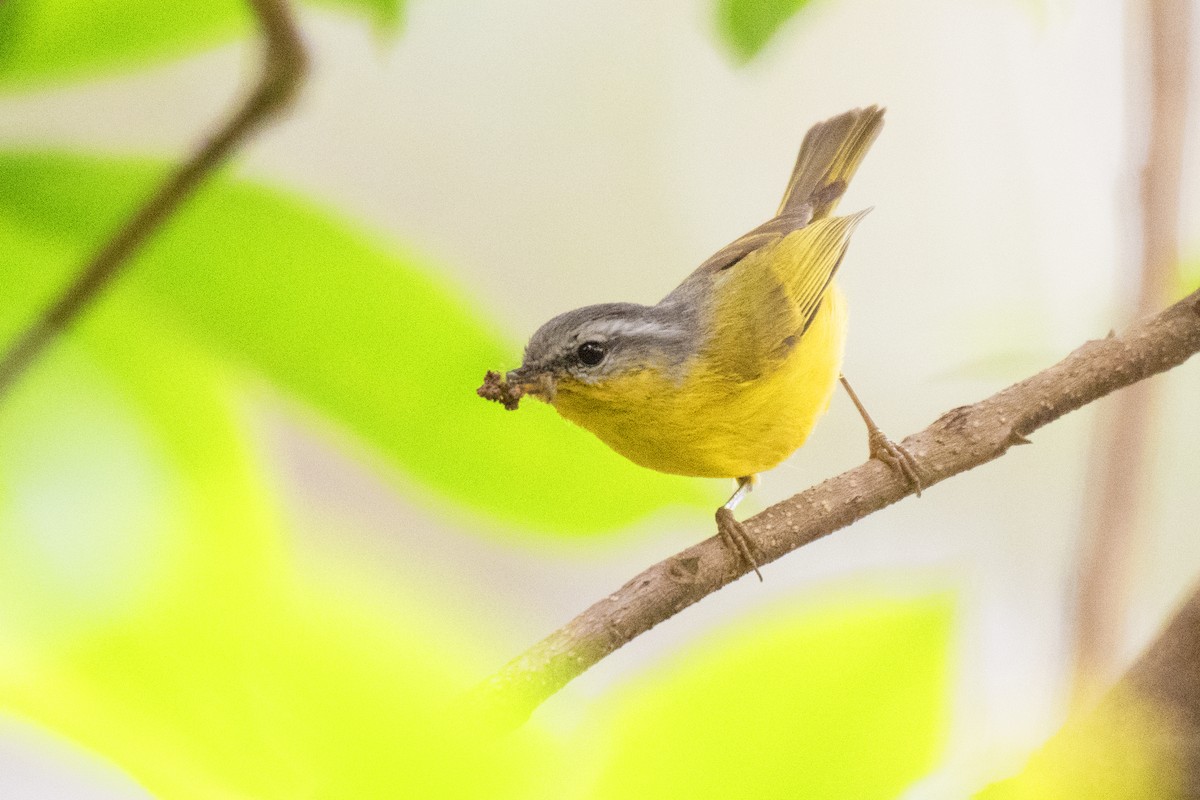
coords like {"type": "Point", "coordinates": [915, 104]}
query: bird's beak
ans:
{"type": "Point", "coordinates": [539, 383]}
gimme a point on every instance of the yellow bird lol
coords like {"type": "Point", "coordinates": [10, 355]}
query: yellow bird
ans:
{"type": "Point", "coordinates": [725, 376]}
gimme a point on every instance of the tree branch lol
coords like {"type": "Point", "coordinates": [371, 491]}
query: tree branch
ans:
{"type": "Point", "coordinates": [284, 67]}
{"type": "Point", "coordinates": [1141, 740]}
{"type": "Point", "coordinates": [961, 439]}
{"type": "Point", "coordinates": [1120, 464]}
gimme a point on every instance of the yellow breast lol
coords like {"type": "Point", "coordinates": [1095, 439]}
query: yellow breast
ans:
{"type": "Point", "coordinates": [708, 425]}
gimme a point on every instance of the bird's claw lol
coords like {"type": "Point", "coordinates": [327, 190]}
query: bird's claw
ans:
{"type": "Point", "coordinates": [897, 457]}
{"type": "Point", "coordinates": [736, 538]}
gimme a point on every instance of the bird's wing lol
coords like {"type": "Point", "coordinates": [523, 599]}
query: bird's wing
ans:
{"type": "Point", "coordinates": [764, 302]}
{"type": "Point", "coordinates": [762, 237]}
{"type": "Point", "coordinates": [828, 159]}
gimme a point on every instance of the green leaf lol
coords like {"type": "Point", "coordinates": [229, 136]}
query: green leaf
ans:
{"type": "Point", "coordinates": [747, 25]}
{"type": "Point", "coordinates": [379, 342]}
{"type": "Point", "coordinates": [385, 14]}
{"type": "Point", "coordinates": [845, 700]}
{"type": "Point", "coordinates": [56, 39]}
{"type": "Point", "coordinates": [1187, 278]}
{"type": "Point", "coordinates": [154, 612]}
{"type": "Point", "coordinates": [1129, 747]}
{"type": "Point", "coordinates": [49, 40]}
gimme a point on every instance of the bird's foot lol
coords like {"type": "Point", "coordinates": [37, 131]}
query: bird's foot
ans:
{"type": "Point", "coordinates": [736, 538]}
{"type": "Point", "coordinates": [896, 457]}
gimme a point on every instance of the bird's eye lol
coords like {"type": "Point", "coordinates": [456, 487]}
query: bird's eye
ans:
{"type": "Point", "coordinates": [591, 353]}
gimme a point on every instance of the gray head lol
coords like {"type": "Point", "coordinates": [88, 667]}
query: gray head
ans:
{"type": "Point", "coordinates": [592, 343]}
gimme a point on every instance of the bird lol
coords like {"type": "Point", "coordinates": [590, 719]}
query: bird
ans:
{"type": "Point", "coordinates": [726, 376]}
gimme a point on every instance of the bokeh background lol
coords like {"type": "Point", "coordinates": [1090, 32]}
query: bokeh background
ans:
{"type": "Point", "coordinates": [256, 531]}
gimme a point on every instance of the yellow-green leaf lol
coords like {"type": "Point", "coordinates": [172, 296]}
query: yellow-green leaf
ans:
{"type": "Point", "coordinates": [747, 25]}
{"type": "Point", "coordinates": [155, 612]}
{"type": "Point", "coordinates": [1131, 746]}
{"type": "Point", "coordinates": [379, 341]}
{"type": "Point", "coordinates": [46, 40]}
{"type": "Point", "coordinates": [842, 699]}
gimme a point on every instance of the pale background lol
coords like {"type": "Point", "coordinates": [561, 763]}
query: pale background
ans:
{"type": "Point", "coordinates": [557, 154]}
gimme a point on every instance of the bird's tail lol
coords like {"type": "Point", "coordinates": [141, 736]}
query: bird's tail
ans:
{"type": "Point", "coordinates": [829, 155]}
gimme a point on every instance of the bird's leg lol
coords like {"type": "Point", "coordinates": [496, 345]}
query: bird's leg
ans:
{"type": "Point", "coordinates": [732, 531]}
{"type": "Point", "coordinates": [883, 448]}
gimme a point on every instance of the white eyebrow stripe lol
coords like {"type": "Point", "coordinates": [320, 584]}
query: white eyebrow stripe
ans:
{"type": "Point", "coordinates": [627, 327]}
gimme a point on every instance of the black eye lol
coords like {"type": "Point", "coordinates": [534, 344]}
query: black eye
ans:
{"type": "Point", "coordinates": [591, 353]}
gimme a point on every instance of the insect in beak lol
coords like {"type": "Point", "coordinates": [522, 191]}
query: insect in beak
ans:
{"type": "Point", "coordinates": [508, 390]}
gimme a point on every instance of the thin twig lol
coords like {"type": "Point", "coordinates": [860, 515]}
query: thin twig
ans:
{"type": "Point", "coordinates": [283, 70]}
{"type": "Point", "coordinates": [1120, 462]}
{"type": "Point", "coordinates": [959, 440]}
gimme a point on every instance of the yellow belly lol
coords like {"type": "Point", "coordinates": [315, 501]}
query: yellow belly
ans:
{"type": "Point", "coordinates": [710, 426]}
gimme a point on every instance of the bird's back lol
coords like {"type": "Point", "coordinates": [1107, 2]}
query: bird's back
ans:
{"type": "Point", "coordinates": [770, 332]}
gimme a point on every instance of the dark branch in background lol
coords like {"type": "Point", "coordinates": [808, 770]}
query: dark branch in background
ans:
{"type": "Point", "coordinates": [1120, 463]}
{"type": "Point", "coordinates": [283, 70]}
{"type": "Point", "coordinates": [1166, 678]}
{"type": "Point", "coordinates": [1141, 740]}
{"type": "Point", "coordinates": [961, 439]}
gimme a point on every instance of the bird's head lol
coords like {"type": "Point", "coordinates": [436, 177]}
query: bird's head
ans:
{"type": "Point", "coordinates": [590, 350]}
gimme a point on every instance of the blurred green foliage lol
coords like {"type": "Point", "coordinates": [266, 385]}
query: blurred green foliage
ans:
{"type": "Point", "coordinates": [747, 25]}
{"type": "Point", "coordinates": [153, 611]}
{"type": "Point", "coordinates": [45, 40]}
{"type": "Point", "coordinates": [846, 698]}
{"type": "Point", "coordinates": [1187, 278]}
{"type": "Point", "coordinates": [371, 339]}
{"type": "Point", "coordinates": [1124, 749]}
{"type": "Point", "coordinates": [217, 663]}
{"type": "Point", "coordinates": [42, 40]}
{"type": "Point", "coordinates": [386, 14]}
